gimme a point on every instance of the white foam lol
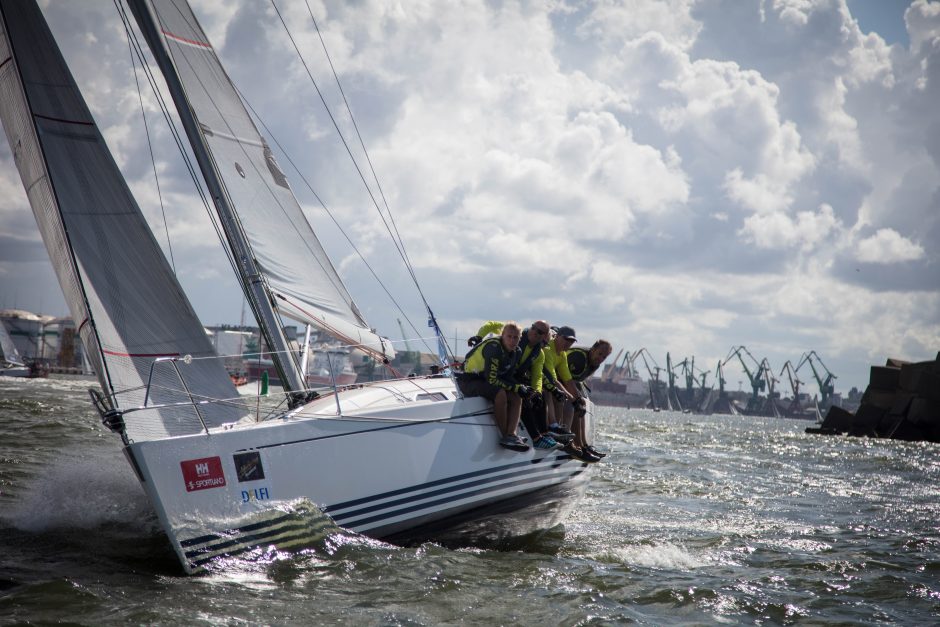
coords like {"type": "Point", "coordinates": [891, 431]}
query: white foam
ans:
{"type": "Point", "coordinates": [666, 556]}
{"type": "Point", "coordinates": [81, 492]}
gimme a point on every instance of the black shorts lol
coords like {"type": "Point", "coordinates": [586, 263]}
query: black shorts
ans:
{"type": "Point", "coordinates": [477, 386]}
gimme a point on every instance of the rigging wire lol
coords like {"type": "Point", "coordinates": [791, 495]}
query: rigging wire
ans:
{"type": "Point", "coordinates": [153, 161]}
{"type": "Point", "coordinates": [362, 257]}
{"type": "Point", "coordinates": [339, 131]}
{"type": "Point", "coordinates": [362, 144]}
{"type": "Point", "coordinates": [396, 237]}
{"type": "Point", "coordinates": [134, 43]}
{"type": "Point", "coordinates": [174, 132]}
{"type": "Point", "coordinates": [327, 268]}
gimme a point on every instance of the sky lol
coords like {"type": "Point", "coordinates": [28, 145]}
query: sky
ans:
{"type": "Point", "coordinates": [681, 175]}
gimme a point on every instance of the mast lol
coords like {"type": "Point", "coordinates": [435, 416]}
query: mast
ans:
{"type": "Point", "coordinates": [131, 314]}
{"type": "Point", "coordinates": [253, 283]}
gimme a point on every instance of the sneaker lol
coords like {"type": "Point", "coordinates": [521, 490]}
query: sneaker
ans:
{"type": "Point", "coordinates": [564, 438]}
{"type": "Point", "coordinates": [513, 443]}
{"type": "Point", "coordinates": [557, 428]}
{"type": "Point", "coordinates": [582, 455]}
{"type": "Point", "coordinates": [593, 451]}
{"type": "Point", "coordinates": [545, 442]}
{"type": "Point", "coordinates": [589, 457]}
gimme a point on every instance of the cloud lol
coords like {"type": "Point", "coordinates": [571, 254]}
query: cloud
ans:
{"type": "Point", "coordinates": [888, 246]}
{"type": "Point", "coordinates": [778, 231]}
{"type": "Point", "coordinates": [679, 175]}
{"type": "Point", "coordinates": [923, 23]}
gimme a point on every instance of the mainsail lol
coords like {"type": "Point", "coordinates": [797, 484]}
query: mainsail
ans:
{"type": "Point", "coordinates": [122, 293]}
{"type": "Point", "coordinates": [302, 281]}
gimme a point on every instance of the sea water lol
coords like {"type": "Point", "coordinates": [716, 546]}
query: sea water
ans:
{"type": "Point", "coordinates": [690, 520]}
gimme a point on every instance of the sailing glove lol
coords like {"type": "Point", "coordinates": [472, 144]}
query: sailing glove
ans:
{"type": "Point", "coordinates": [473, 341]}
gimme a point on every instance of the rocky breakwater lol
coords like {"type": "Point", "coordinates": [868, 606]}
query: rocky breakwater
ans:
{"type": "Point", "coordinates": [902, 402]}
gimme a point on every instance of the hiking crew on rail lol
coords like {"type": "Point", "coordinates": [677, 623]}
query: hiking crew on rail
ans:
{"type": "Point", "coordinates": [526, 375]}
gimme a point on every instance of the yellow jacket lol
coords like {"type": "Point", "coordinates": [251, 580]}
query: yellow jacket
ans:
{"type": "Point", "coordinates": [534, 366]}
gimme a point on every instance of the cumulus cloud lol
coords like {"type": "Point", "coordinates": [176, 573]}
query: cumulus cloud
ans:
{"type": "Point", "coordinates": [778, 231]}
{"type": "Point", "coordinates": [888, 246]}
{"type": "Point", "coordinates": [680, 175]}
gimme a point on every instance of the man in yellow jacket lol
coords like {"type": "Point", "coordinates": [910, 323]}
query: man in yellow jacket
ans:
{"type": "Point", "coordinates": [559, 381]}
{"type": "Point", "coordinates": [488, 372]}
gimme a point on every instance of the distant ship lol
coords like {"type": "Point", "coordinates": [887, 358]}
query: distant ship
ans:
{"type": "Point", "coordinates": [619, 387]}
{"type": "Point", "coordinates": [323, 359]}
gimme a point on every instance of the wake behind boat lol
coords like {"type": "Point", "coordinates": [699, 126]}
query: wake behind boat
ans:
{"type": "Point", "coordinates": [403, 459]}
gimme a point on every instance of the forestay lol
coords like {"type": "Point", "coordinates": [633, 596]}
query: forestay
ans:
{"type": "Point", "coordinates": [120, 289]}
{"type": "Point", "coordinates": [300, 276]}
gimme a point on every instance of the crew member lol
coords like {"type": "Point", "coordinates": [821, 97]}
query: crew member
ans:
{"type": "Point", "coordinates": [582, 363]}
{"type": "Point", "coordinates": [529, 370]}
{"type": "Point", "coordinates": [561, 384]}
{"type": "Point", "coordinates": [488, 372]}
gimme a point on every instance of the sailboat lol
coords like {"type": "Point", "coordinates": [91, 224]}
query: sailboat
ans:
{"type": "Point", "coordinates": [402, 460]}
{"type": "Point", "coordinates": [11, 364]}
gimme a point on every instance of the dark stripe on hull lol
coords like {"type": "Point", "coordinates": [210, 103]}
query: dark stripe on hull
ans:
{"type": "Point", "coordinates": [462, 495]}
{"type": "Point", "coordinates": [525, 470]}
{"type": "Point", "coordinates": [493, 524]}
{"type": "Point", "coordinates": [247, 537]}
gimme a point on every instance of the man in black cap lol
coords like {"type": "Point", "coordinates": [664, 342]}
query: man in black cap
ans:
{"type": "Point", "coordinates": [559, 382]}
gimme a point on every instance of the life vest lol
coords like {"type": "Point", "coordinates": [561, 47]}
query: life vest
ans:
{"type": "Point", "coordinates": [475, 360]}
{"type": "Point", "coordinates": [579, 364]}
{"type": "Point", "coordinates": [526, 359]}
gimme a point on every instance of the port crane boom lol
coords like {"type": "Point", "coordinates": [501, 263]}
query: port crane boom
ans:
{"type": "Point", "coordinates": [654, 375]}
{"type": "Point", "coordinates": [756, 379]}
{"type": "Point", "coordinates": [826, 387]}
{"type": "Point", "coordinates": [609, 372]}
{"type": "Point", "coordinates": [771, 381]}
{"type": "Point", "coordinates": [795, 384]}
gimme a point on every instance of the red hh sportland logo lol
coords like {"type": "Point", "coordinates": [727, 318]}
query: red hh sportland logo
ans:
{"type": "Point", "coordinates": [202, 474]}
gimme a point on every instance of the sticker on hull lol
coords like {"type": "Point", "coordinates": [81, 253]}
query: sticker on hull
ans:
{"type": "Point", "coordinates": [202, 474]}
{"type": "Point", "coordinates": [248, 465]}
{"type": "Point", "coordinates": [255, 494]}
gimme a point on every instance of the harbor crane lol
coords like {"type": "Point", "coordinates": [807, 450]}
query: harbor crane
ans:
{"type": "Point", "coordinates": [609, 371]}
{"type": "Point", "coordinates": [756, 379]}
{"type": "Point", "coordinates": [771, 382]}
{"type": "Point", "coordinates": [703, 393]}
{"type": "Point", "coordinates": [654, 374]}
{"type": "Point", "coordinates": [671, 389]}
{"type": "Point", "coordinates": [404, 336]}
{"type": "Point", "coordinates": [719, 373]}
{"type": "Point", "coordinates": [630, 361]}
{"type": "Point", "coordinates": [688, 373]}
{"type": "Point", "coordinates": [826, 387]}
{"type": "Point", "coordinates": [723, 405]}
{"type": "Point", "coordinates": [795, 383]}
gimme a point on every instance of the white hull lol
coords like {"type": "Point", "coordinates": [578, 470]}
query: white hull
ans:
{"type": "Point", "coordinates": [391, 467]}
{"type": "Point", "coordinates": [15, 371]}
